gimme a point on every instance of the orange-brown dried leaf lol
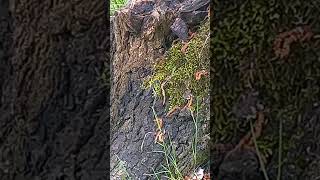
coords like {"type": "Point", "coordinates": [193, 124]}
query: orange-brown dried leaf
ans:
{"type": "Point", "coordinates": [159, 137]}
{"type": "Point", "coordinates": [192, 34]}
{"type": "Point", "coordinates": [283, 41]}
{"type": "Point", "coordinates": [184, 48]}
{"type": "Point", "coordinates": [173, 110]}
{"type": "Point", "coordinates": [189, 103]}
{"type": "Point", "coordinates": [201, 73]}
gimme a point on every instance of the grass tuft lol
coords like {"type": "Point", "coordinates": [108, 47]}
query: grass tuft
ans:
{"type": "Point", "coordinates": [170, 169]}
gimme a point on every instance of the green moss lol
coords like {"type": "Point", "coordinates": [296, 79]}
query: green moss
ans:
{"type": "Point", "coordinates": [116, 5]}
{"type": "Point", "coordinates": [179, 69]}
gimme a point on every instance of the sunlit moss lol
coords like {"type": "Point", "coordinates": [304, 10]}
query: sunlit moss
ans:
{"type": "Point", "coordinates": [178, 70]}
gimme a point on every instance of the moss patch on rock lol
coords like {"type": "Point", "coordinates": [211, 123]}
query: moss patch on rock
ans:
{"type": "Point", "coordinates": [178, 69]}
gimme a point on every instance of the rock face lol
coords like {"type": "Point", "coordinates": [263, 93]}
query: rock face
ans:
{"type": "Point", "coordinates": [54, 103]}
{"type": "Point", "coordinates": [54, 110]}
{"type": "Point", "coordinates": [140, 41]}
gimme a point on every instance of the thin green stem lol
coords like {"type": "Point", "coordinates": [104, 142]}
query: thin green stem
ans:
{"type": "Point", "coordinates": [280, 151]}
{"type": "Point", "coordinates": [263, 168]}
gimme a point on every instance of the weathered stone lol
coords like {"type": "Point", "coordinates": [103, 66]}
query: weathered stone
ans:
{"type": "Point", "coordinates": [131, 113]}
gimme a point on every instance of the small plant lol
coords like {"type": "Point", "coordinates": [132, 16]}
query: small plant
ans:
{"type": "Point", "coordinates": [263, 168]}
{"type": "Point", "coordinates": [170, 169]}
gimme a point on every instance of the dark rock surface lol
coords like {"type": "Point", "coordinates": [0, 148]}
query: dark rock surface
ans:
{"type": "Point", "coordinates": [190, 14]}
{"type": "Point", "coordinates": [54, 111]}
{"type": "Point", "coordinates": [132, 118]}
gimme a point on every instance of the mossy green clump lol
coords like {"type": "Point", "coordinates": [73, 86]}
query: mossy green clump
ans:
{"type": "Point", "coordinates": [116, 5]}
{"type": "Point", "coordinates": [178, 70]}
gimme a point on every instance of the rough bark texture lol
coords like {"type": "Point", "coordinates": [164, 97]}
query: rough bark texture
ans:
{"type": "Point", "coordinates": [53, 110]}
{"type": "Point", "coordinates": [132, 119]}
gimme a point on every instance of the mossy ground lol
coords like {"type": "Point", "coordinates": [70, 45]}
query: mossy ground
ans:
{"type": "Point", "coordinates": [179, 68]}
{"type": "Point", "coordinates": [243, 35]}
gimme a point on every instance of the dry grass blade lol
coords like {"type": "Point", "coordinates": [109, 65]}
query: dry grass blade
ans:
{"type": "Point", "coordinates": [263, 168]}
{"type": "Point", "coordinates": [247, 140]}
{"type": "Point", "coordinates": [162, 89]}
{"type": "Point", "coordinates": [280, 151]}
